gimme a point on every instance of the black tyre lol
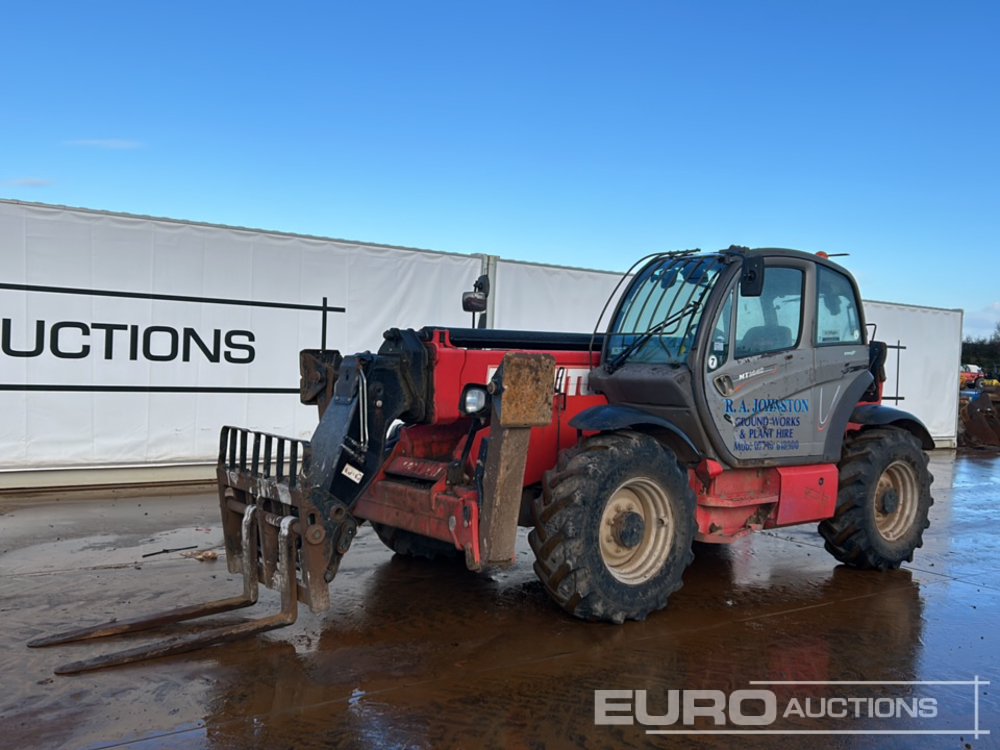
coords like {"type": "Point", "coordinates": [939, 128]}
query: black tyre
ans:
{"type": "Point", "coordinates": [883, 500]}
{"type": "Point", "coordinates": [614, 528]}
{"type": "Point", "coordinates": [404, 542]}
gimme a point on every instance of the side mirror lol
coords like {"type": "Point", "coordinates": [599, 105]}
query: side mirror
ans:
{"type": "Point", "coordinates": [752, 277]}
{"type": "Point", "coordinates": [475, 301]}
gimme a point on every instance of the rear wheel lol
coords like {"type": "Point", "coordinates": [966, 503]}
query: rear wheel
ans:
{"type": "Point", "coordinates": [406, 543]}
{"type": "Point", "coordinates": [614, 528]}
{"type": "Point", "coordinates": [883, 501]}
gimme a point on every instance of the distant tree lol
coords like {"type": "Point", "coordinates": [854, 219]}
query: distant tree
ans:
{"type": "Point", "coordinates": [983, 351]}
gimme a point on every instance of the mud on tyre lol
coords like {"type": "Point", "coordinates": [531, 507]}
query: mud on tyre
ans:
{"type": "Point", "coordinates": [614, 527]}
{"type": "Point", "coordinates": [883, 500]}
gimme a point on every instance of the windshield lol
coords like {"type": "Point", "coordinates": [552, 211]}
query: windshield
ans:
{"type": "Point", "coordinates": [658, 318]}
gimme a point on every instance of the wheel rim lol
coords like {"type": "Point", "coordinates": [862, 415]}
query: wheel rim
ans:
{"type": "Point", "coordinates": [896, 500]}
{"type": "Point", "coordinates": [636, 563]}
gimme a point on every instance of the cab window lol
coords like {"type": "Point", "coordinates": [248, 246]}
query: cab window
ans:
{"type": "Point", "coordinates": [837, 318]}
{"type": "Point", "coordinates": [771, 322]}
{"type": "Point", "coordinates": [718, 347]}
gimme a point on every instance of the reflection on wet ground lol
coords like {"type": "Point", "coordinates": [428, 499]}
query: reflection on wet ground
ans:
{"type": "Point", "coordinates": [417, 654]}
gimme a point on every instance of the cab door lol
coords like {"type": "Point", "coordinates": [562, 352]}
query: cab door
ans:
{"type": "Point", "coordinates": [759, 370]}
{"type": "Point", "coordinates": [840, 355]}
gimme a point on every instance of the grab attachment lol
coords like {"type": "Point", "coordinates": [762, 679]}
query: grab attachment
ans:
{"type": "Point", "coordinates": [284, 581]}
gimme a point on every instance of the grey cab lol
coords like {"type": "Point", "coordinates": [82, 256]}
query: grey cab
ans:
{"type": "Point", "coordinates": [748, 357]}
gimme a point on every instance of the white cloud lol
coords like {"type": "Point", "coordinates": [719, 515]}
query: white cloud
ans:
{"type": "Point", "coordinates": [108, 144]}
{"type": "Point", "coordinates": [30, 182]}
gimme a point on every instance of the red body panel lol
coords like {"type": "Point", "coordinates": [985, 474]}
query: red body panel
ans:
{"type": "Point", "coordinates": [457, 368]}
{"type": "Point", "coordinates": [411, 491]}
{"type": "Point", "coordinates": [736, 502]}
{"type": "Point", "coordinates": [808, 493]}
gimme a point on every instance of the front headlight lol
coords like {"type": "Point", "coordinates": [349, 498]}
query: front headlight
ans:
{"type": "Point", "coordinates": [474, 400]}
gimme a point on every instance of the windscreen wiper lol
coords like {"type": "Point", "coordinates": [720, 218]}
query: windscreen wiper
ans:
{"type": "Point", "coordinates": [619, 359]}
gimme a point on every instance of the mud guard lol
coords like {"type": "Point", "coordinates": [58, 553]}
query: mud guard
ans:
{"type": "Point", "coordinates": [876, 415]}
{"type": "Point", "coordinates": [843, 415]}
{"type": "Point", "coordinates": [617, 417]}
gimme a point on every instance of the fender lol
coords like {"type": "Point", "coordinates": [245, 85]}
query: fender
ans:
{"type": "Point", "coordinates": [615, 417]}
{"type": "Point", "coordinates": [843, 416]}
{"type": "Point", "coordinates": [876, 415]}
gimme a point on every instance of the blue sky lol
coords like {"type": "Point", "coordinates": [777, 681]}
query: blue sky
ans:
{"type": "Point", "coordinates": [577, 133]}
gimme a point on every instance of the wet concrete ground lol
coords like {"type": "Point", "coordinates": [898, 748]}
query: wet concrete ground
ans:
{"type": "Point", "coordinates": [418, 654]}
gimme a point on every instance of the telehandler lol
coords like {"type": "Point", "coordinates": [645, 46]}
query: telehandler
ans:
{"type": "Point", "coordinates": [731, 391]}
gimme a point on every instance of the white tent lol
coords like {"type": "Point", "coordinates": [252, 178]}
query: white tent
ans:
{"type": "Point", "coordinates": [128, 341]}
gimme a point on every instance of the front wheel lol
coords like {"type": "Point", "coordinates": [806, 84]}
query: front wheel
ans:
{"type": "Point", "coordinates": [614, 528]}
{"type": "Point", "coordinates": [883, 501]}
